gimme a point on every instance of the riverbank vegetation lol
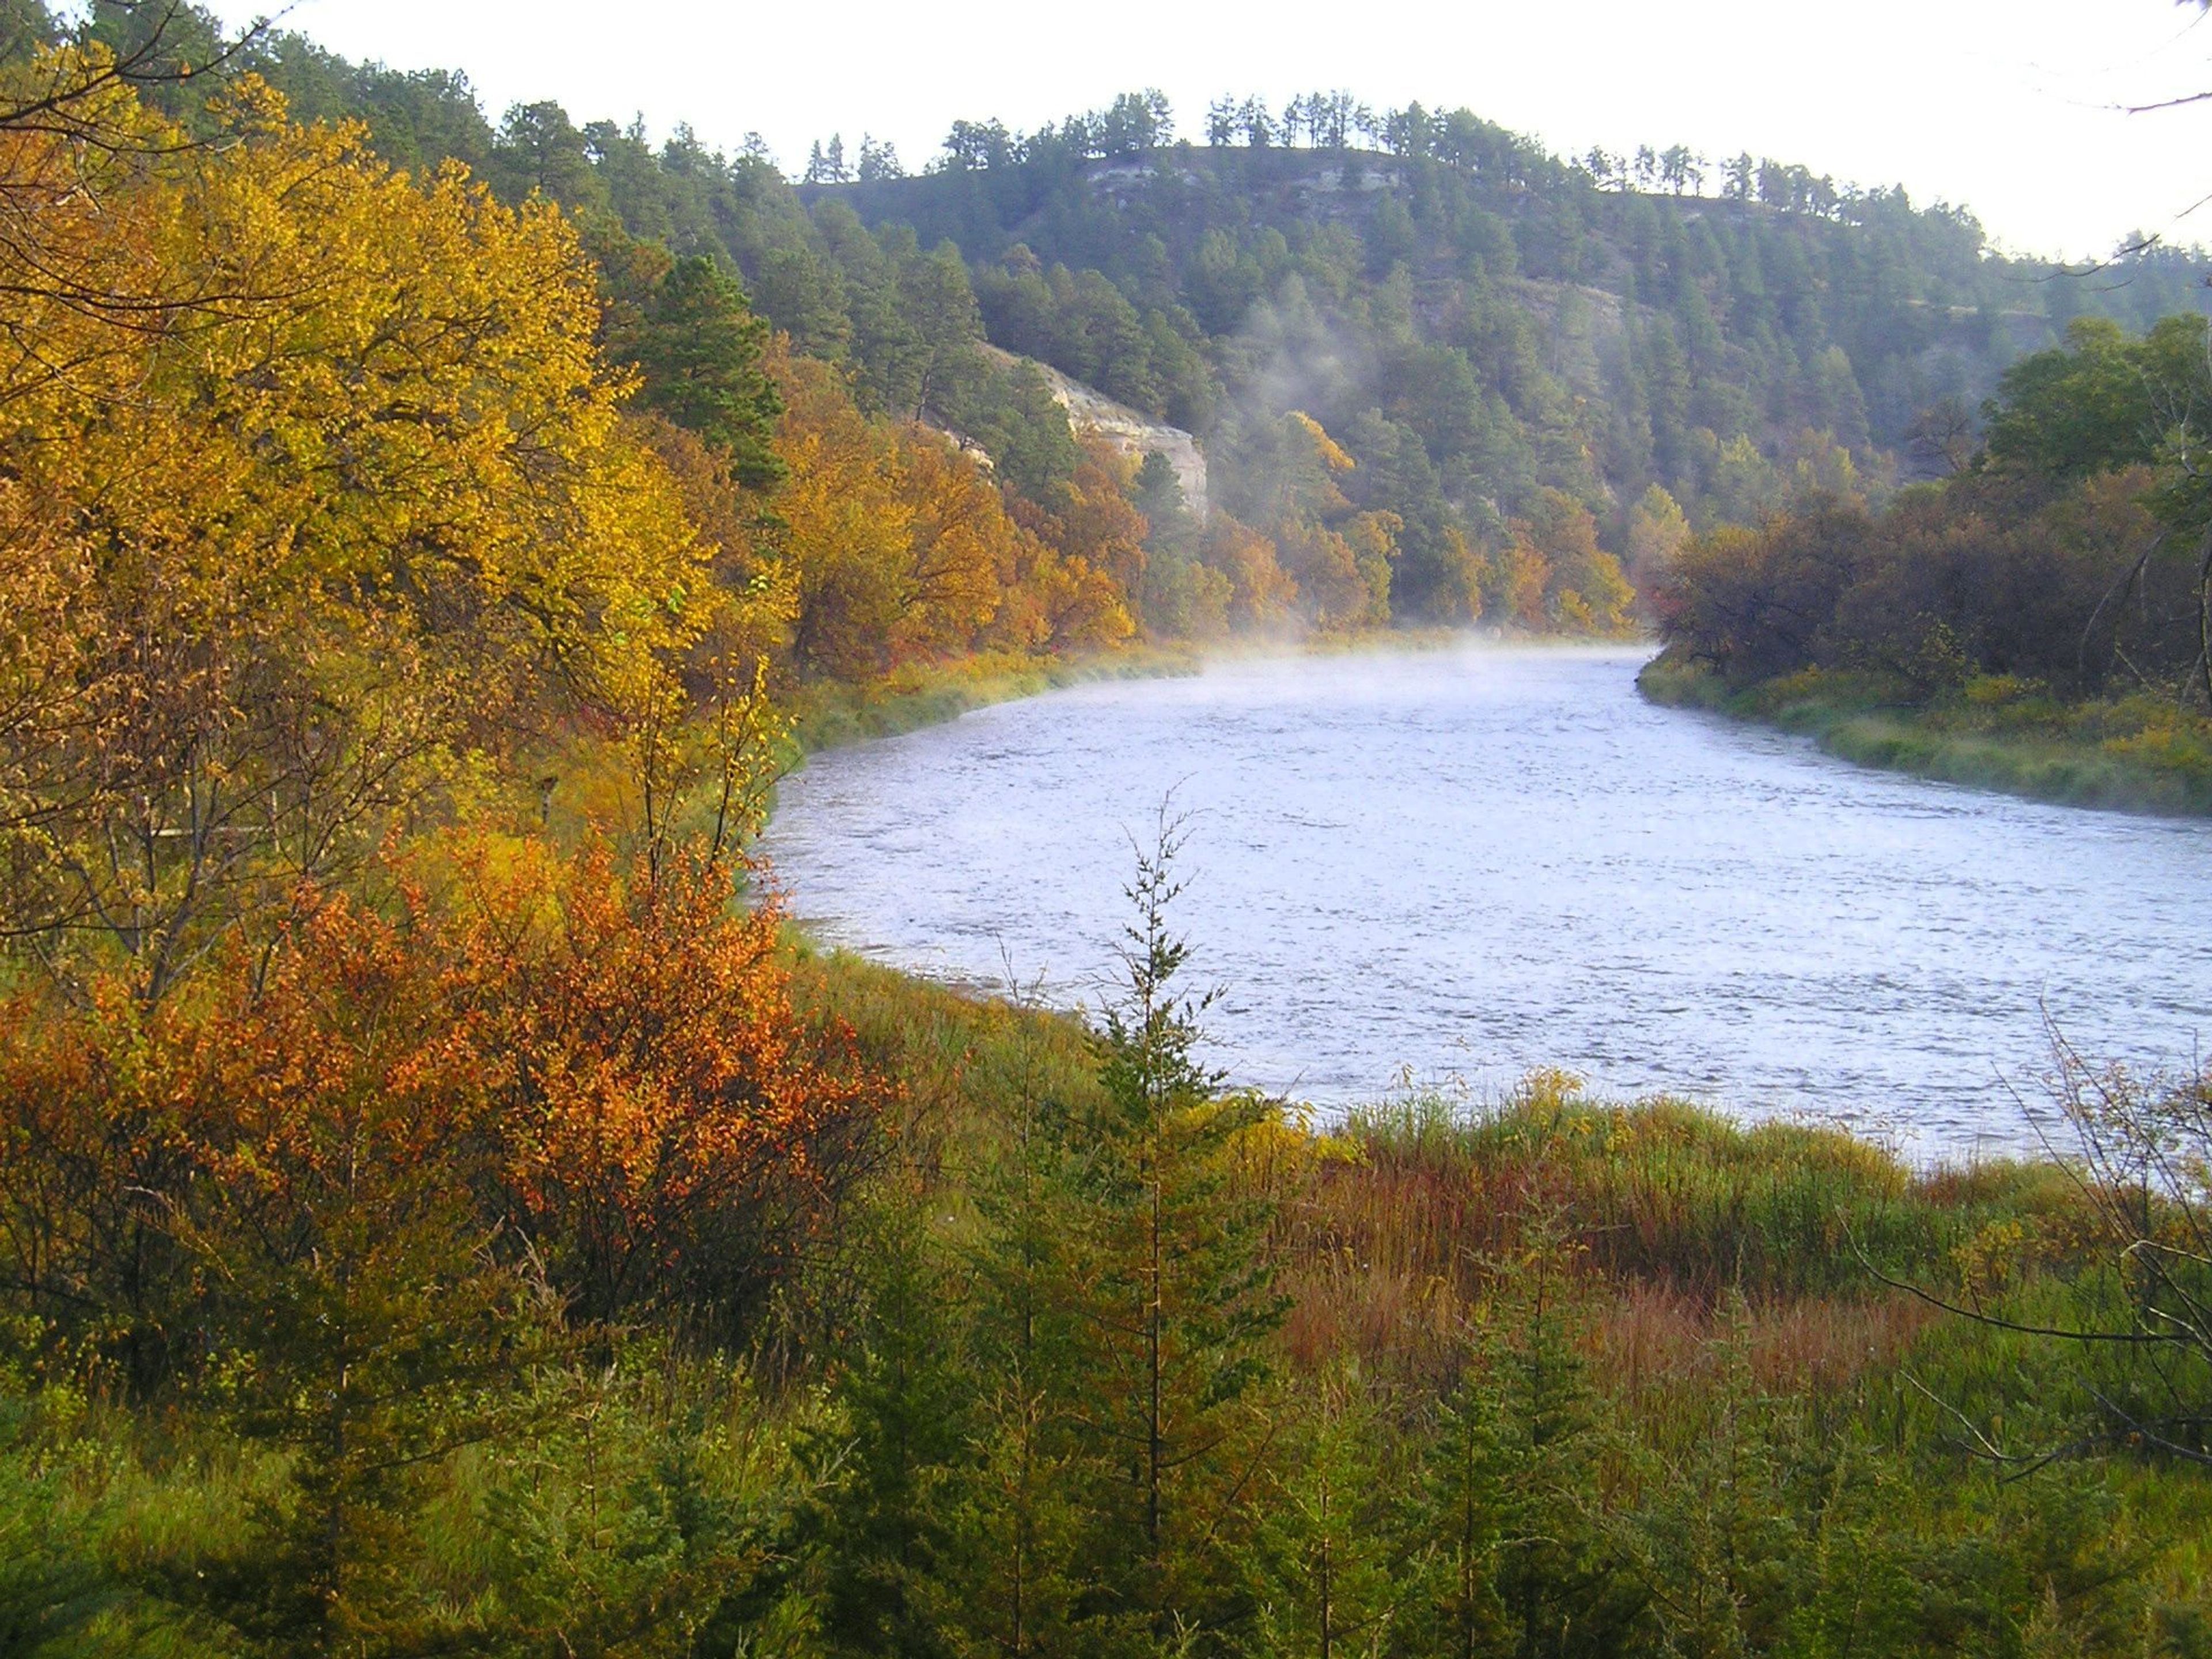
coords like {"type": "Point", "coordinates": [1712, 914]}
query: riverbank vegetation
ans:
{"type": "Point", "coordinates": [442, 1208]}
{"type": "Point", "coordinates": [2038, 621]}
{"type": "Point", "coordinates": [1050, 1346]}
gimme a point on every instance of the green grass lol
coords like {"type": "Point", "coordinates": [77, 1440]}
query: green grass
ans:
{"type": "Point", "coordinates": [1658, 1191]}
{"type": "Point", "coordinates": [829, 715]}
{"type": "Point", "coordinates": [965, 1062]}
{"type": "Point", "coordinates": [2137, 753]}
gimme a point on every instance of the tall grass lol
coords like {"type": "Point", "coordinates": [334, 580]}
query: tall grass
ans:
{"type": "Point", "coordinates": [1399, 1223]}
{"type": "Point", "coordinates": [1660, 1190]}
{"type": "Point", "coordinates": [1403, 1225]}
{"type": "Point", "coordinates": [965, 1061]}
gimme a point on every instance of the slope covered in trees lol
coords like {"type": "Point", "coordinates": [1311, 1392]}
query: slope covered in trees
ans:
{"type": "Point", "coordinates": [2043, 617]}
{"type": "Point", "coordinates": [1519, 375]}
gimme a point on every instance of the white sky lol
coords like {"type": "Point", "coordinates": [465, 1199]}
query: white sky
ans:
{"type": "Point", "coordinates": [2007, 105]}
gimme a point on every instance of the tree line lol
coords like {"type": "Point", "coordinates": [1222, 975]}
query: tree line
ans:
{"type": "Point", "coordinates": [2067, 553]}
{"type": "Point", "coordinates": [1487, 326]}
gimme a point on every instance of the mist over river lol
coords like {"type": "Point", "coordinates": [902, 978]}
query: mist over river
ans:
{"type": "Point", "coordinates": [1466, 863]}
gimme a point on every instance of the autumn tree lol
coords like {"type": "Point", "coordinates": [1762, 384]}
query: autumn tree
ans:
{"type": "Point", "coordinates": [899, 547]}
{"type": "Point", "coordinates": [1656, 532]}
{"type": "Point", "coordinates": [596, 1075]}
{"type": "Point", "coordinates": [1340, 560]}
{"type": "Point", "coordinates": [1584, 592]}
{"type": "Point", "coordinates": [354, 1307]}
{"type": "Point", "coordinates": [302, 564]}
{"type": "Point", "coordinates": [1261, 594]}
{"type": "Point", "coordinates": [1091, 518]}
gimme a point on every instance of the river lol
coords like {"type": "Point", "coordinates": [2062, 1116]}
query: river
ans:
{"type": "Point", "coordinates": [1453, 865]}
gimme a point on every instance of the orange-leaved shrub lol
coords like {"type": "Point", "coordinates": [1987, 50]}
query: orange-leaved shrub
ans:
{"type": "Point", "coordinates": [586, 1079]}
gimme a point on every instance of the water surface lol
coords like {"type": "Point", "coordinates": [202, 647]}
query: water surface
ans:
{"type": "Point", "coordinates": [1458, 865]}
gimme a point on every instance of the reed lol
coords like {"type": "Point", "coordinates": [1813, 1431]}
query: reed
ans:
{"type": "Point", "coordinates": [1660, 1190]}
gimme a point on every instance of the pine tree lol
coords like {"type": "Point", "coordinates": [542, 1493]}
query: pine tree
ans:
{"type": "Point", "coordinates": [1461, 1499]}
{"type": "Point", "coordinates": [1335, 1580]}
{"type": "Point", "coordinates": [1174, 1289]}
{"type": "Point", "coordinates": [1559, 1585]}
{"type": "Point", "coordinates": [882, 1531]}
{"type": "Point", "coordinates": [1018, 1585]}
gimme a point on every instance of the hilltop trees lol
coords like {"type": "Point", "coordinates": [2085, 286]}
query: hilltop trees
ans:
{"type": "Point", "coordinates": [1517, 328]}
{"type": "Point", "coordinates": [1531, 329]}
{"type": "Point", "coordinates": [1808, 309]}
{"type": "Point", "coordinates": [696, 344]}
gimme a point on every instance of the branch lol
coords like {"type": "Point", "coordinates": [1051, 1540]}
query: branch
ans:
{"type": "Point", "coordinates": [2125, 1339]}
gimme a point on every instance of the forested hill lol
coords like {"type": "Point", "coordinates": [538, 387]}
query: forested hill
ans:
{"type": "Point", "coordinates": [1441, 371]}
{"type": "Point", "coordinates": [1595, 325]}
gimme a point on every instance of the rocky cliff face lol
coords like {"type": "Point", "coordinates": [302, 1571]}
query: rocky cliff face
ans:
{"type": "Point", "coordinates": [1091, 413]}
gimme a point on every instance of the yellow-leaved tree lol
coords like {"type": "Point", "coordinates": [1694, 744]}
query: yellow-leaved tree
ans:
{"type": "Point", "coordinates": [900, 548]}
{"type": "Point", "coordinates": [345, 512]}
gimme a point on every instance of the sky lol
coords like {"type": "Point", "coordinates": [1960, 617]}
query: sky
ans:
{"type": "Point", "coordinates": [2014, 108]}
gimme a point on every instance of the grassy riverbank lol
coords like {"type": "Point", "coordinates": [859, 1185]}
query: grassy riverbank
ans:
{"type": "Point", "coordinates": [1751, 1413]}
{"type": "Point", "coordinates": [1548, 1374]}
{"type": "Point", "coordinates": [829, 715]}
{"type": "Point", "coordinates": [2137, 753]}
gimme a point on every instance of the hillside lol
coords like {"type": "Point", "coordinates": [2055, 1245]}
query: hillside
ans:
{"type": "Point", "coordinates": [446, 1209]}
{"type": "Point", "coordinates": [1438, 373]}
{"type": "Point", "coordinates": [1754, 286]}
{"type": "Point", "coordinates": [1519, 361]}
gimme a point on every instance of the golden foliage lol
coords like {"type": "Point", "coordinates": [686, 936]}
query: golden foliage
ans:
{"type": "Point", "coordinates": [603, 1077]}
{"type": "Point", "coordinates": [306, 544]}
{"type": "Point", "coordinates": [901, 549]}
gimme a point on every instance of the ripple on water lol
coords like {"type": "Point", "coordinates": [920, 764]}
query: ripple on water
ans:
{"type": "Point", "coordinates": [1470, 863]}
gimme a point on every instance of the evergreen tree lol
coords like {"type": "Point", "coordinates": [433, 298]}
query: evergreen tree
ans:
{"type": "Point", "coordinates": [1461, 1499]}
{"type": "Point", "coordinates": [1560, 1589]}
{"type": "Point", "coordinates": [698, 346]}
{"type": "Point", "coordinates": [882, 1531]}
{"type": "Point", "coordinates": [1175, 1289]}
{"type": "Point", "coordinates": [1018, 1583]}
{"type": "Point", "coordinates": [1335, 1580]}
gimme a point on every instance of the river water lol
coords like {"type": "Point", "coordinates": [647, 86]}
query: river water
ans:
{"type": "Point", "coordinates": [1454, 866]}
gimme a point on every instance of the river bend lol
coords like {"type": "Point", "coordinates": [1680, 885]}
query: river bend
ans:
{"type": "Point", "coordinates": [1456, 865]}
